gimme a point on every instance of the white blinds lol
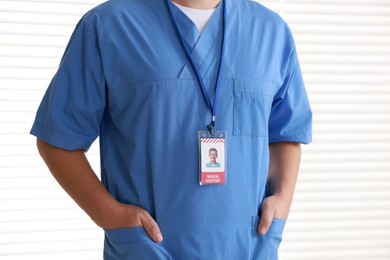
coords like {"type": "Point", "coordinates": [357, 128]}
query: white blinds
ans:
{"type": "Point", "coordinates": [37, 219]}
{"type": "Point", "coordinates": [341, 209]}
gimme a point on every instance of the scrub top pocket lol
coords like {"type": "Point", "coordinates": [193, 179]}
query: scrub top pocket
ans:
{"type": "Point", "coordinates": [251, 107]}
{"type": "Point", "coordinates": [132, 244]}
{"type": "Point", "coordinates": [266, 247]}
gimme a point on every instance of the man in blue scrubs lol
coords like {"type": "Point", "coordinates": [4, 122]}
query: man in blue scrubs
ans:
{"type": "Point", "coordinates": [142, 77]}
{"type": "Point", "coordinates": [213, 155]}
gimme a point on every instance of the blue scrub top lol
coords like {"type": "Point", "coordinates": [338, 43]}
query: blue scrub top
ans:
{"type": "Point", "coordinates": [125, 78]}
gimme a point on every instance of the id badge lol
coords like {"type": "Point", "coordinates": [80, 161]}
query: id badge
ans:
{"type": "Point", "coordinates": [212, 157]}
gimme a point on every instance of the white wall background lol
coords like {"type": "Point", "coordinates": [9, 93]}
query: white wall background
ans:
{"type": "Point", "coordinates": [341, 209]}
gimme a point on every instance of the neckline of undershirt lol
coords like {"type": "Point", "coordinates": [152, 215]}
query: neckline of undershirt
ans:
{"type": "Point", "coordinates": [200, 17]}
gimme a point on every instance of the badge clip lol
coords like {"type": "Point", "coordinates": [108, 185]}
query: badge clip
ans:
{"type": "Point", "coordinates": [211, 126]}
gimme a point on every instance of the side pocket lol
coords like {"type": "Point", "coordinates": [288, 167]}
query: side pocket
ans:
{"type": "Point", "coordinates": [132, 243]}
{"type": "Point", "coordinates": [266, 247]}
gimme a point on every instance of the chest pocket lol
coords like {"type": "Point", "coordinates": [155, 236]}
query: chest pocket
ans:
{"type": "Point", "coordinates": [251, 107]}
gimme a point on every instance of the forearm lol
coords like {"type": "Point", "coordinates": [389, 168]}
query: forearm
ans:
{"type": "Point", "coordinates": [283, 171]}
{"type": "Point", "coordinates": [73, 172]}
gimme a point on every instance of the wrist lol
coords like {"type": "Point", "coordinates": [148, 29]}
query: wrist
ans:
{"type": "Point", "coordinates": [108, 215]}
{"type": "Point", "coordinates": [281, 205]}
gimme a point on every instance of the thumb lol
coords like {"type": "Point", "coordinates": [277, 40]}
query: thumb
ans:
{"type": "Point", "coordinates": [267, 216]}
{"type": "Point", "coordinates": [151, 228]}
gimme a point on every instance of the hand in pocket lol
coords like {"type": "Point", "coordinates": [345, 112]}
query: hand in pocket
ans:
{"type": "Point", "coordinates": [126, 216]}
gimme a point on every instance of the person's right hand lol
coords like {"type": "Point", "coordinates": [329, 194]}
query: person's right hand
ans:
{"type": "Point", "coordinates": [127, 216]}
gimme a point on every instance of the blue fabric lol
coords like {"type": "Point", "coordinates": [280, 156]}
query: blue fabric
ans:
{"type": "Point", "coordinates": [210, 165]}
{"type": "Point", "coordinates": [125, 79]}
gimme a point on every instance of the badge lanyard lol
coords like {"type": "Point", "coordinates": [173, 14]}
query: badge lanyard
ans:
{"type": "Point", "coordinates": [212, 143]}
{"type": "Point", "coordinates": [212, 106]}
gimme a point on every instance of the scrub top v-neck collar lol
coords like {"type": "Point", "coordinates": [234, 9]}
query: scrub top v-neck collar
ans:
{"type": "Point", "coordinates": [199, 44]}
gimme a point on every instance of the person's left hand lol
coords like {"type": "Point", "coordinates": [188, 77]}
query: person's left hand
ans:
{"type": "Point", "coordinates": [273, 207]}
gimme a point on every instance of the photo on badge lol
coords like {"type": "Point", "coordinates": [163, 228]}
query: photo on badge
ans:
{"type": "Point", "coordinates": [212, 158]}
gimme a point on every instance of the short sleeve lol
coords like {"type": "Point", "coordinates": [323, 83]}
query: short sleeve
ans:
{"type": "Point", "coordinates": [291, 117]}
{"type": "Point", "coordinates": [71, 110]}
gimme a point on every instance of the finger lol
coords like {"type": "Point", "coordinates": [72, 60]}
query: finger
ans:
{"type": "Point", "coordinates": [151, 227]}
{"type": "Point", "coordinates": [265, 221]}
